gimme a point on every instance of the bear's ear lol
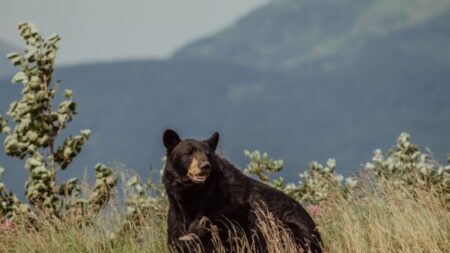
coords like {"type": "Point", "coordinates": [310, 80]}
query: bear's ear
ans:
{"type": "Point", "coordinates": [170, 139]}
{"type": "Point", "coordinates": [213, 141]}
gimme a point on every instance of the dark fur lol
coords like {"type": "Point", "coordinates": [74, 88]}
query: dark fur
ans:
{"type": "Point", "coordinates": [226, 195]}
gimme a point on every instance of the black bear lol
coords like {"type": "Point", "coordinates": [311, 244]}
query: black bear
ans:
{"type": "Point", "coordinates": [200, 184]}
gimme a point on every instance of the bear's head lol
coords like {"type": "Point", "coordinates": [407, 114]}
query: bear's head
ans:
{"type": "Point", "coordinates": [190, 159]}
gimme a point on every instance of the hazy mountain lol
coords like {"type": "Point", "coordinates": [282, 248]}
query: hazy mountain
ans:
{"type": "Point", "coordinates": [303, 80]}
{"type": "Point", "coordinates": [5, 65]}
{"type": "Point", "coordinates": [291, 34]}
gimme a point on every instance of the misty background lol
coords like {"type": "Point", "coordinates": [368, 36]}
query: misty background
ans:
{"type": "Point", "coordinates": [303, 80]}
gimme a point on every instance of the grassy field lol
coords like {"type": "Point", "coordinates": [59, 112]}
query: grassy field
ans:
{"type": "Point", "coordinates": [379, 217]}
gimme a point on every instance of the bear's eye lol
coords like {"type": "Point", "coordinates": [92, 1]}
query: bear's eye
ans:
{"type": "Point", "coordinates": [190, 152]}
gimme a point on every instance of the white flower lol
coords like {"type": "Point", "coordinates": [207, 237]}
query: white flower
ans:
{"type": "Point", "coordinates": [369, 166]}
{"type": "Point", "coordinates": [351, 182]}
{"type": "Point", "coordinates": [331, 163]}
{"type": "Point", "coordinates": [339, 178]}
{"type": "Point", "coordinates": [290, 187]}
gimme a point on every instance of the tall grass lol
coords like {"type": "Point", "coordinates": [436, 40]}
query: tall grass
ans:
{"type": "Point", "coordinates": [387, 218]}
{"type": "Point", "coordinates": [379, 217]}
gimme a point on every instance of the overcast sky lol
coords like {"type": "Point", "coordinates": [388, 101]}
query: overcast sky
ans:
{"type": "Point", "coordinates": [104, 30]}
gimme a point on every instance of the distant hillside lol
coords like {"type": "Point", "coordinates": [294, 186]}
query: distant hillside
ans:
{"type": "Point", "coordinates": [291, 34]}
{"type": "Point", "coordinates": [269, 83]}
{"type": "Point", "coordinates": [5, 65]}
{"type": "Point", "coordinates": [127, 106]}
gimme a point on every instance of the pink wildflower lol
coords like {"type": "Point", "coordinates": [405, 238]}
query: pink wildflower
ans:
{"type": "Point", "coordinates": [7, 226]}
{"type": "Point", "coordinates": [315, 210]}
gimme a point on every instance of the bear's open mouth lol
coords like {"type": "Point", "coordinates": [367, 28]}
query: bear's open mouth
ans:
{"type": "Point", "coordinates": [198, 178]}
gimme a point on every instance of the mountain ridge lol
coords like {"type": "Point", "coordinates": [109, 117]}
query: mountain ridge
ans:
{"type": "Point", "coordinates": [288, 34]}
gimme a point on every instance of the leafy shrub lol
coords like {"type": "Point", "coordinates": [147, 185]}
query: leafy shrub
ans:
{"type": "Point", "coordinates": [145, 206]}
{"type": "Point", "coordinates": [405, 164]}
{"type": "Point", "coordinates": [144, 199]}
{"type": "Point", "coordinates": [314, 185]}
{"type": "Point", "coordinates": [37, 127]}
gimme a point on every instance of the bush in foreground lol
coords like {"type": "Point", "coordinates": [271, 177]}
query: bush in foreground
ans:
{"type": "Point", "coordinates": [379, 214]}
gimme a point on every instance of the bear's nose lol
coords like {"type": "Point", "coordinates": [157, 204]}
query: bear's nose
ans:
{"type": "Point", "coordinates": [205, 166]}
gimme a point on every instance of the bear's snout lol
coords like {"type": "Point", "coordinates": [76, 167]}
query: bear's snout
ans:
{"type": "Point", "coordinates": [199, 169]}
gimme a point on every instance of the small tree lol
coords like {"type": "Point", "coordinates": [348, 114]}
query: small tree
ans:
{"type": "Point", "coordinates": [37, 125]}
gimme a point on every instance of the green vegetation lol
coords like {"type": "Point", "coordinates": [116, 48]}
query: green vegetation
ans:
{"type": "Point", "coordinates": [314, 186]}
{"type": "Point", "coordinates": [404, 164]}
{"type": "Point", "coordinates": [34, 137]}
{"type": "Point", "coordinates": [379, 214]}
{"type": "Point", "coordinates": [399, 203]}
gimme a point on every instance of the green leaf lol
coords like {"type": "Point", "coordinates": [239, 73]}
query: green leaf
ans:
{"type": "Point", "coordinates": [67, 152]}
{"type": "Point", "coordinates": [16, 61]}
{"type": "Point", "coordinates": [111, 181]}
{"type": "Point", "coordinates": [30, 53]}
{"type": "Point", "coordinates": [33, 28]}
{"type": "Point", "coordinates": [34, 82]}
{"type": "Point", "coordinates": [22, 25]}
{"type": "Point", "coordinates": [19, 77]}
{"type": "Point", "coordinates": [34, 162]}
{"type": "Point", "coordinates": [51, 55]}
{"type": "Point", "coordinates": [32, 136]}
{"type": "Point", "coordinates": [62, 118]}
{"type": "Point", "coordinates": [13, 55]}
{"type": "Point", "coordinates": [3, 125]}
{"type": "Point", "coordinates": [40, 169]}
{"type": "Point", "coordinates": [73, 180]}
{"type": "Point", "coordinates": [53, 38]}
{"type": "Point", "coordinates": [86, 132]}
{"type": "Point", "coordinates": [133, 180]}
{"type": "Point", "coordinates": [68, 93]}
